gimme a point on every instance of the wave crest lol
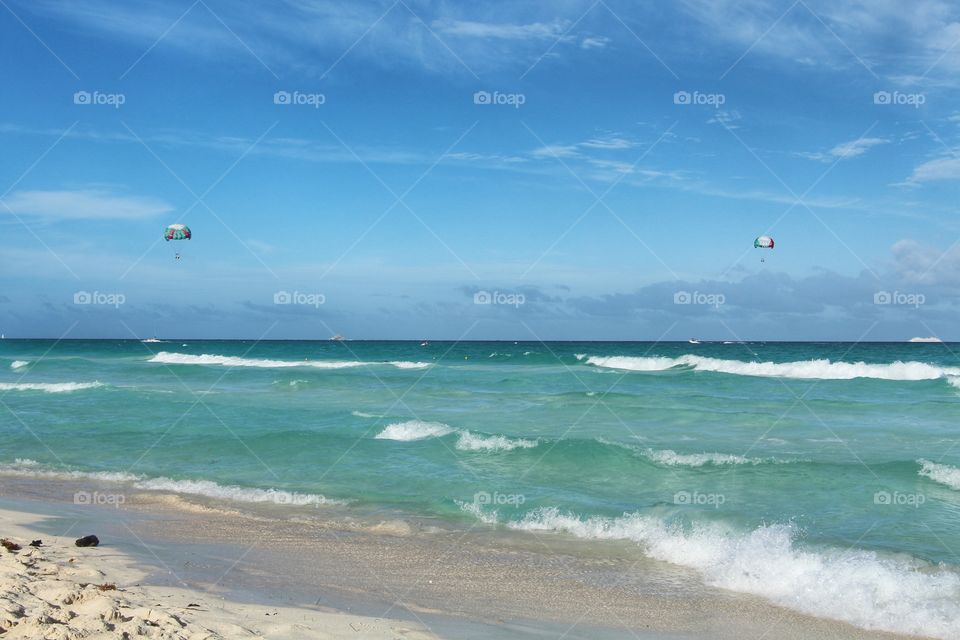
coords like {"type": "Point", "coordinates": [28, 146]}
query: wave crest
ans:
{"type": "Point", "coordinates": [804, 369]}
{"type": "Point", "coordinates": [941, 473]}
{"type": "Point", "coordinates": [671, 458]}
{"type": "Point", "coordinates": [856, 586]}
{"type": "Point", "coordinates": [31, 468]}
{"type": "Point", "coordinates": [166, 357]}
{"type": "Point", "coordinates": [412, 430]}
{"type": "Point", "coordinates": [49, 387]}
{"type": "Point", "coordinates": [475, 442]}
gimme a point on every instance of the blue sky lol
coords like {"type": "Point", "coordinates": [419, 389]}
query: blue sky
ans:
{"type": "Point", "coordinates": [628, 154]}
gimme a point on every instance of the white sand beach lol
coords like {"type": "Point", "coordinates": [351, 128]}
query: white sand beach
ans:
{"type": "Point", "coordinates": [59, 591]}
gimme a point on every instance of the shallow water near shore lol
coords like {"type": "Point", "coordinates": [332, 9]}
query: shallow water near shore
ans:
{"type": "Point", "coordinates": [737, 464]}
{"type": "Point", "coordinates": [455, 583]}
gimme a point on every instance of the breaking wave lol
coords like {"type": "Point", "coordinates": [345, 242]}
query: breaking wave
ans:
{"type": "Point", "coordinates": [804, 369]}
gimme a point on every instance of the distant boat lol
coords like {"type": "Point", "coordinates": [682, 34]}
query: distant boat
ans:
{"type": "Point", "coordinates": [154, 339]}
{"type": "Point", "coordinates": [425, 343]}
{"type": "Point", "coordinates": [930, 339]}
{"type": "Point", "coordinates": [693, 341]}
{"type": "Point", "coordinates": [338, 337]}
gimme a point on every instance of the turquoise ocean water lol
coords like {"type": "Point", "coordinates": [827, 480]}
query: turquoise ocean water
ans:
{"type": "Point", "coordinates": [824, 477]}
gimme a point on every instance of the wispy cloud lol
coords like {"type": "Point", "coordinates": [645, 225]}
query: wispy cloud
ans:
{"type": "Point", "coordinates": [86, 204]}
{"type": "Point", "coordinates": [594, 42]}
{"type": "Point", "coordinates": [311, 35]}
{"type": "Point", "coordinates": [614, 142]}
{"type": "Point", "coordinates": [944, 168]}
{"type": "Point", "coordinates": [844, 150]}
{"type": "Point", "coordinates": [610, 142]}
{"type": "Point", "coordinates": [501, 31]}
{"type": "Point", "coordinates": [879, 37]}
{"type": "Point", "coordinates": [728, 119]}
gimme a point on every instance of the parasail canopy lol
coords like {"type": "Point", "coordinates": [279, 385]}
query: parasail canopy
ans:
{"type": "Point", "coordinates": [177, 232]}
{"type": "Point", "coordinates": [763, 242]}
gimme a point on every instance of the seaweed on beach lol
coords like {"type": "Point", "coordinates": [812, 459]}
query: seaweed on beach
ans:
{"type": "Point", "coordinates": [10, 545]}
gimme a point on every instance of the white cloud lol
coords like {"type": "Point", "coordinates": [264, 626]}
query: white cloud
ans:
{"type": "Point", "coordinates": [500, 31]}
{"type": "Point", "coordinates": [594, 42]}
{"type": "Point", "coordinates": [922, 264]}
{"type": "Point", "coordinates": [85, 204]}
{"type": "Point", "coordinates": [437, 37]}
{"type": "Point", "coordinates": [608, 143]}
{"type": "Point", "coordinates": [844, 150]}
{"type": "Point", "coordinates": [727, 119]}
{"type": "Point", "coordinates": [945, 168]}
{"type": "Point", "coordinates": [881, 35]}
{"type": "Point", "coordinates": [856, 147]}
{"type": "Point", "coordinates": [556, 151]}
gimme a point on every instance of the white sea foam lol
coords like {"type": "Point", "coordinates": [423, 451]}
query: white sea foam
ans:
{"type": "Point", "coordinates": [230, 492]}
{"type": "Point", "coordinates": [17, 364]}
{"type": "Point", "coordinates": [401, 364]}
{"type": "Point", "coordinates": [474, 509]}
{"type": "Point", "coordinates": [419, 430]}
{"type": "Point", "coordinates": [476, 442]}
{"type": "Point", "coordinates": [364, 414]}
{"type": "Point", "coordinates": [860, 587]}
{"type": "Point", "coordinates": [31, 468]}
{"type": "Point", "coordinates": [805, 369]}
{"type": "Point", "coordinates": [49, 387]}
{"type": "Point", "coordinates": [942, 473]}
{"type": "Point", "coordinates": [165, 357]}
{"type": "Point", "coordinates": [414, 430]}
{"type": "Point", "coordinates": [671, 458]}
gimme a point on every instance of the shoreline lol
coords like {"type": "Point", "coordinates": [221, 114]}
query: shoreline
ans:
{"type": "Point", "coordinates": [451, 582]}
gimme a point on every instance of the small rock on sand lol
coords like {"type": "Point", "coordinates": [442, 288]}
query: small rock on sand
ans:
{"type": "Point", "coordinates": [88, 541]}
